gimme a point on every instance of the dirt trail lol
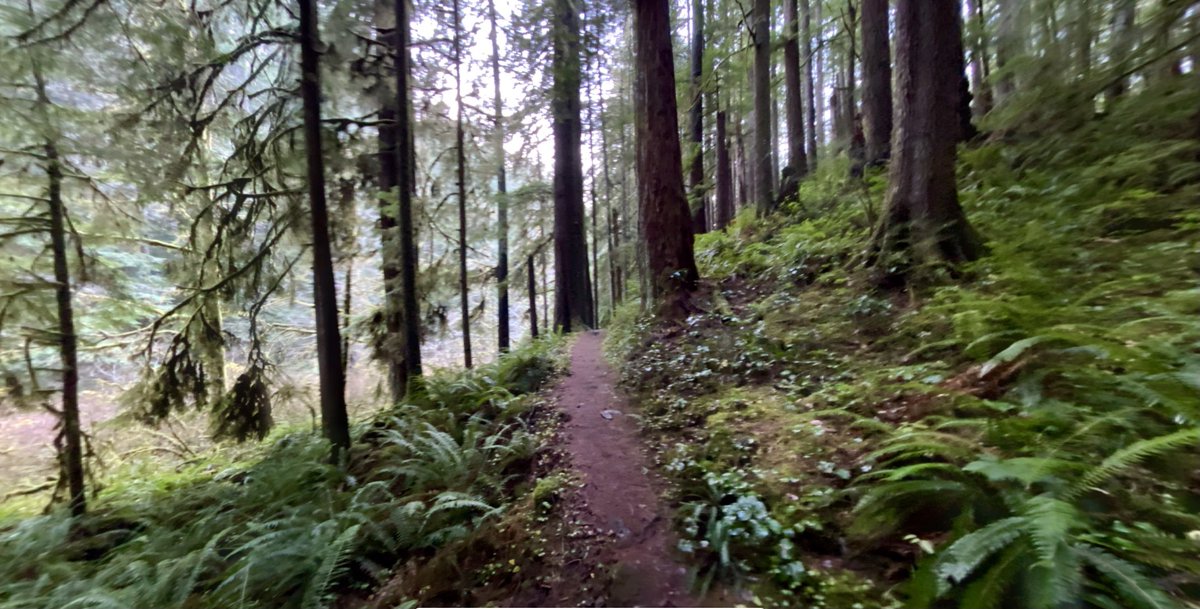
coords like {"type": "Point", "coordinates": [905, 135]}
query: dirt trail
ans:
{"type": "Point", "coordinates": [620, 492]}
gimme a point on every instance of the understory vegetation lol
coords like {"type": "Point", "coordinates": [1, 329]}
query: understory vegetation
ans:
{"type": "Point", "coordinates": [1022, 434]}
{"type": "Point", "coordinates": [276, 525]}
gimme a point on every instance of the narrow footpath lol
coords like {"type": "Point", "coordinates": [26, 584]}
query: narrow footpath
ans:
{"type": "Point", "coordinates": [621, 495]}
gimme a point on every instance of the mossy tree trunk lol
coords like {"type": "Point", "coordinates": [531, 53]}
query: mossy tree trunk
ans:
{"type": "Point", "coordinates": [924, 223]}
{"type": "Point", "coordinates": [573, 306]}
{"type": "Point", "coordinates": [662, 206]}
{"type": "Point", "coordinates": [410, 331]}
{"type": "Point", "coordinates": [877, 81]}
{"type": "Point", "coordinates": [794, 87]}
{"type": "Point", "coordinates": [761, 22]}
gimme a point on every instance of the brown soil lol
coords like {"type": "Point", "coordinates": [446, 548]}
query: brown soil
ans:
{"type": "Point", "coordinates": [619, 496]}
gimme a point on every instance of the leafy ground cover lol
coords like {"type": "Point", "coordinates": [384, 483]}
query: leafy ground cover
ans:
{"type": "Point", "coordinates": [448, 474]}
{"type": "Point", "coordinates": [1021, 433]}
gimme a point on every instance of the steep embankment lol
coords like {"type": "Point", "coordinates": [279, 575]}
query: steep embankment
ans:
{"type": "Point", "coordinates": [1021, 434]}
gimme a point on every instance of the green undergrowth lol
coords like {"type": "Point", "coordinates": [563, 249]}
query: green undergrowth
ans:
{"type": "Point", "coordinates": [280, 527]}
{"type": "Point", "coordinates": [1022, 435]}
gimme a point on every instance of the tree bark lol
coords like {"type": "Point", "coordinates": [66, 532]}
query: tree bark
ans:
{"type": "Point", "coordinates": [70, 452]}
{"type": "Point", "coordinates": [460, 149]}
{"type": "Point", "coordinates": [853, 124]}
{"type": "Point", "coordinates": [923, 222]}
{"type": "Point", "coordinates": [980, 88]}
{"type": "Point", "coordinates": [620, 222]}
{"type": "Point", "coordinates": [1083, 37]}
{"type": "Point", "coordinates": [724, 175]}
{"type": "Point", "coordinates": [410, 335]}
{"type": "Point", "coordinates": [877, 81]}
{"type": "Point", "coordinates": [532, 289]}
{"type": "Point", "coordinates": [810, 107]}
{"type": "Point", "coordinates": [696, 122]}
{"type": "Point", "coordinates": [591, 179]}
{"type": "Point", "coordinates": [798, 158]}
{"type": "Point", "coordinates": [1011, 30]}
{"type": "Point", "coordinates": [502, 329]}
{"type": "Point", "coordinates": [764, 198]}
{"type": "Point", "coordinates": [1124, 14]}
{"type": "Point", "coordinates": [391, 261]}
{"type": "Point", "coordinates": [610, 213]}
{"type": "Point", "coordinates": [347, 301]}
{"type": "Point", "coordinates": [663, 209]}
{"type": "Point", "coordinates": [573, 306]}
{"type": "Point", "coordinates": [743, 172]}
{"type": "Point", "coordinates": [966, 128]}
{"type": "Point", "coordinates": [329, 358]}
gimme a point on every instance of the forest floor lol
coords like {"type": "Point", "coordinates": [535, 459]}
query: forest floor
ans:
{"type": "Point", "coordinates": [617, 493]}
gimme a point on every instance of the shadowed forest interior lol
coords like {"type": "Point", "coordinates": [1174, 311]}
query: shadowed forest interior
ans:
{"type": "Point", "coordinates": [792, 303]}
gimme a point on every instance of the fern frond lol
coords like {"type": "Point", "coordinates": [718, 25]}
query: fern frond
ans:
{"type": "Point", "coordinates": [988, 589]}
{"type": "Point", "coordinates": [885, 506]}
{"type": "Point", "coordinates": [1050, 522]}
{"type": "Point", "coordinates": [958, 561]}
{"type": "Point", "coordinates": [329, 569]}
{"type": "Point", "coordinates": [201, 560]}
{"type": "Point", "coordinates": [1127, 580]}
{"type": "Point", "coordinates": [1132, 455]}
{"type": "Point", "coordinates": [923, 470]}
{"type": "Point", "coordinates": [1026, 470]}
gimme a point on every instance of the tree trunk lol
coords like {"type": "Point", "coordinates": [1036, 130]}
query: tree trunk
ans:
{"type": "Point", "coordinates": [923, 222]}
{"type": "Point", "coordinates": [854, 141]}
{"type": "Point", "coordinates": [69, 443]}
{"type": "Point", "coordinates": [743, 173]}
{"type": "Point", "coordinates": [347, 296]}
{"type": "Point", "coordinates": [966, 128]}
{"type": "Point", "coordinates": [591, 178]}
{"type": "Point", "coordinates": [1124, 14]}
{"type": "Point", "coordinates": [1011, 30]}
{"type": "Point", "coordinates": [819, 65]}
{"type": "Point", "coordinates": [980, 88]}
{"type": "Point", "coordinates": [212, 335]}
{"type": "Point", "coordinates": [71, 455]}
{"type": "Point", "coordinates": [667, 233]}
{"type": "Point", "coordinates": [410, 335]}
{"type": "Point", "coordinates": [610, 214]}
{"type": "Point", "coordinates": [696, 121]}
{"type": "Point", "coordinates": [724, 175]}
{"type": "Point", "coordinates": [545, 292]}
{"type": "Point", "coordinates": [532, 289]}
{"type": "Point", "coordinates": [775, 135]}
{"type": "Point", "coordinates": [573, 306]}
{"type": "Point", "coordinates": [761, 16]}
{"type": "Point", "coordinates": [1083, 38]}
{"type": "Point", "coordinates": [391, 260]}
{"type": "Point", "coordinates": [620, 221]}
{"type": "Point", "coordinates": [329, 358]}
{"type": "Point", "coordinates": [798, 158]}
{"type": "Point", "coordinates": [502, 330]}
{"type": "Point", "coordinates": [877, 81]}
{"type": "Point", "coordinates": [810, 107]}
{"type": "Point", "coordinates": [460, 150]}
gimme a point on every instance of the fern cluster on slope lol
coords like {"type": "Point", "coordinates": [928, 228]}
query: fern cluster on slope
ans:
{"type": "Point", "coordinates": [289, 530]}
{"type": "Point", "coordinates": [1022, 435]}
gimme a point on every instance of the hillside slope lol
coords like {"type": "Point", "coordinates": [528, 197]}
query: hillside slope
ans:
{"type": "Point", "coordinates": [1022, 432]}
